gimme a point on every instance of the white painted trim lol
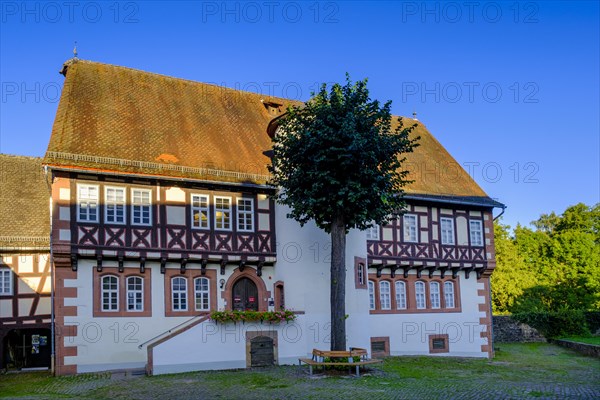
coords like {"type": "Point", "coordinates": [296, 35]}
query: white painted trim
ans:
{"type": "Point", "coordinates": [123, 203]}
{"type": "Point", "coordinates": [149, 205]}
{"type": "Point", "coordinates": [78, 202]}
{"type": "Point", "coordinates": [230, 213]}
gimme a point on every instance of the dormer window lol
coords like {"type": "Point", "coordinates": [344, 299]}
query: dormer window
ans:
{"type": "Point", "coordinates": [272, 107]}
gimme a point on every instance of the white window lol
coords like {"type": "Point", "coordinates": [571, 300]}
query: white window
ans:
{"type": "Point", "coordinates": [420, 294]}
{"type": "Point", "coordinates": [135, 293]}
{"type": "Point", "coordinates": [410, 228]}
{"type": "Point", "coordinates": [141, 207]}
{"type": "Point", "coordinates": [434, 294]}
{"type": "Point", "coordinates": [6, 284]}
{"type": "Point", "coordinates": [449, 294]}
{"type": "Point", "coordinates": [223, 213]}
{"type": "Point", "coordinates": [373, 232]}
{"type": "Point", "coordinates": [476, 232]}
{"type": "Point", "coordinates": [114, 199]}
{"type": "Point", "coordinates": [110, 293]}
{"type": "Point", "coordinates": [245, 215]}
{"type": "Point", "coordinates": [87, 203]}
{"type": "Point", "coordinates": [371, 295]}
{"type": "Point", "coordinates": [179, 294]}
{"type": "Point", "coordinates": [447, 225]}
{"type": "Point", "coordinates": [200, 211]}
{"type": "Point", "coordinates": [400, 295]}
{"type": "Point", "coordinates": [384, 295]}
{"type": "Point", "coordinates": [202, 294]}
{"type": "Point", "coordinates": [361, 274]}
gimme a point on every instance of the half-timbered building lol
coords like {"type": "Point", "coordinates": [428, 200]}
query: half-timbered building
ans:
{"type": "Point", "coordinates": [161, 214]}
{"type": "Point", "coordinates": [25, 278]}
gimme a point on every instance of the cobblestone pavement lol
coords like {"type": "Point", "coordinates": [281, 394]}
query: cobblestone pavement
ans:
{"type": "Point", "coordinates": [559, 377]}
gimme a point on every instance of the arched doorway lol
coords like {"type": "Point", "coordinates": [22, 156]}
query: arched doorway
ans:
{"type": "Point", "coordinates": [245, 295]}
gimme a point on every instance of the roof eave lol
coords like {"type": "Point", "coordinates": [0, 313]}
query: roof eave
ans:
{"type": "Point", "coordinates": [158, 177]}
{"type": "Point", "coordinates": [475, 201]}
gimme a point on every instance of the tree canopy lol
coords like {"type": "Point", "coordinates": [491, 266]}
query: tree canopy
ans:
{"type": "Point", "coordinates": [554, 267]}
{"type": "Point", "coordinates": [338, 155]}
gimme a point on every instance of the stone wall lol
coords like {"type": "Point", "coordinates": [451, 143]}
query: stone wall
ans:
{"type": "Point", "coordinates": [507, 330]}
{"type": "Point", "coordinates": [583, 348]}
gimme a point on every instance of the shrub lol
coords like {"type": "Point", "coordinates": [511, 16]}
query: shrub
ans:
{"type": "Point", "coordinates": [593, 320]}
{"type": "Point", "coordinates": [554, 324]}
{"type": "Point", "coordinates": [253, 316]}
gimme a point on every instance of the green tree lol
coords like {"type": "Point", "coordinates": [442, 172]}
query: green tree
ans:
{"type": "Point", "coordinates": [555, 267]}
{"type": "Point", "coordinates": [338, 161]}
{"type": "Point", "coordinates": [511, 276]}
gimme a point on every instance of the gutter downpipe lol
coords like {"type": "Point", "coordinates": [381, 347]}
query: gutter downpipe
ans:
{"type": "Point", "coordinates": [52, 278]}
{"type": "Point", "coordinates": [499, 215]}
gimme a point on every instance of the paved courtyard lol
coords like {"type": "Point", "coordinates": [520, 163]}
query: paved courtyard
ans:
{"type": "Point", "coordinates": [519, 371]}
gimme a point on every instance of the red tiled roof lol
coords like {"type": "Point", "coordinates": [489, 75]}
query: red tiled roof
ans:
{"type": "Point", "coordinates": [118, 119]}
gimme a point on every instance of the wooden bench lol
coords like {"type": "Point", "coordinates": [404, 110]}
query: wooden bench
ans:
{"type": "Point", "coordinates": [319, 356]}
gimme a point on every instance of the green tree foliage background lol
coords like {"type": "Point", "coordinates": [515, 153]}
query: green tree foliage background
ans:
{"type": "Point", "coordinates": [553, 267]}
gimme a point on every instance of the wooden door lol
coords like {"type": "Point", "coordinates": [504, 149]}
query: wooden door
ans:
{"type": "Point", "coordinates": [245, 295]}
{"type": "Point", "coordinates": [261, 352]}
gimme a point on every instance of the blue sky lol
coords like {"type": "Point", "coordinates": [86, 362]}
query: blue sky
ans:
{"type": "Point", "coordinates": [511, 89]}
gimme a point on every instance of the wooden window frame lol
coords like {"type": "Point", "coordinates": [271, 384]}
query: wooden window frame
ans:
{"type": "Point", "coordinates": [115, 291]}
{"type": "Point", "coordinates": [200, 209]}
{"type": "Point", "coordinates": [404, 293]}
{"type": "Point", "coordinates": [373, 232]}
{"type": "Point", "coordinates": [420, 282]}
{"type": "Point", "coordinates": [479, 237]}
{"type": "Point", "coordinates": [360, 271]}
{"type": "Point", "coordinates": [115, 204]}
{"type": "Point", "coordinates": [431, 294]}
{"type": "Point", "coordinates": [191, 274]}
{"type": "Point", "coordinates": [228, 210]}
{"type": "Point", "coordinates": [372, 298]}
{"type": "Point", "coordinates": [202, 293]}
{"type": "Point", "coordinates": [386, 341]}
{"type": "Point", "coordinates": [452, 231]}
{"type": "Point", "coordinates": [88, 202]}
{"type": "Point", "coordinates": [242, 214]}
{"type": "Point", "coordinates": [446, 339]}
{"type": "Point", "coordinates": [142, 207]}
{"type": "Point", "coordinates": [6, 274]}
{"type": "Point", "coordinates": [279, 298]}
{"type": "Point", "coordinates": [122, 290]}
{"type": "Point", "coordinates": [405, 226]}
{"type": "Point", "coordinates": [180, 292]}
{"type": "Point", "coordinates": [389, 295]}
{"type": "Point", "coordinates": [409, 283]}
{"type": "Point", "coordinates": [446, 294]}
{"type": "Point", "coordinates": [134, 291]}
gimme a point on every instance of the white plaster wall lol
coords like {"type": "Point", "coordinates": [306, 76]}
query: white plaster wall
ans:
{"type": "Point", "coordinates": [221, 346]}
{"type": "Point", "coordinates": [408, 333]}
{"type": "Point", "coordinates": [105, 343]}
{"type": "Point", "coordinates": [303, 264]}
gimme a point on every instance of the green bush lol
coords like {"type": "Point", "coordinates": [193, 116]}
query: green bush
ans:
{"type": "Point", "coordinates": [593, 320]}
{"type": "Point", "coordinates": [555, 324]}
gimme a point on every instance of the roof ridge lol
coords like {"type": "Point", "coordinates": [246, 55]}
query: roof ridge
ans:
{"type": "Point", "coordinates": [190, 81]}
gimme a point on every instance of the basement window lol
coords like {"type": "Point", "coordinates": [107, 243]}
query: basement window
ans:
{"type": "Point", "coordinates": [438, 344]}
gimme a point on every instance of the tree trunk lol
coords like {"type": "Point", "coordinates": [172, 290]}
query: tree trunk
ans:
{"type": "Point", "coordinates": [338, 284]}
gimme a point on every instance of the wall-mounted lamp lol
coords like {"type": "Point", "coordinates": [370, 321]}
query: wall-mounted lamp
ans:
{"type": "Point", "coordinates": [222, 283]}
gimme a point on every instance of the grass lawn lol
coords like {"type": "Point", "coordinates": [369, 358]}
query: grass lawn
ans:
{"type": "Point", "coordinates": [535, 370]}
{"type": "Point", "coordinates": [584, 339]}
